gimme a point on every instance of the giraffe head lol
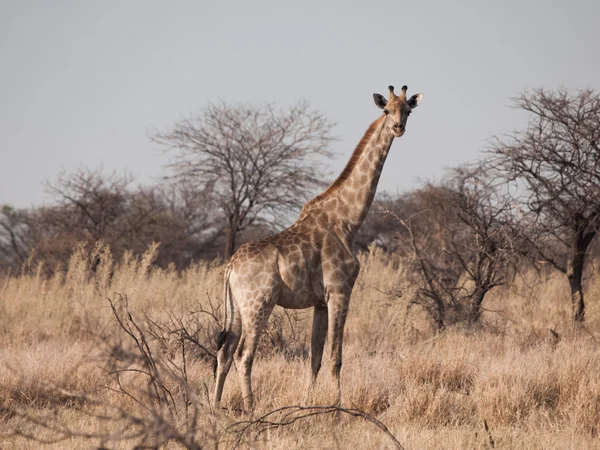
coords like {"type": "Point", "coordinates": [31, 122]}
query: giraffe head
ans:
{"type": "Point", "coordinates": [397, 108]}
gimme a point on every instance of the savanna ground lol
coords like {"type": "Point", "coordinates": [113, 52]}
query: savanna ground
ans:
{"type": "Point", "coordinates": [71, 376]}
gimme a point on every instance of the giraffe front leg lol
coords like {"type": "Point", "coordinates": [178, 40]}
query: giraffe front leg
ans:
{"type": "Point", "coordinates": [319, 333]}
{"type": "Point", "coordinates": [337, 309]}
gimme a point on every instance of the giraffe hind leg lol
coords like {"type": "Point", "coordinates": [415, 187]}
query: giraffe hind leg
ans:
{"type": "Point", "coordinates": [253, 327]}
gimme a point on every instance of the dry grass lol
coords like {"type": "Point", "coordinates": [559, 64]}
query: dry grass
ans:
{"type": "Point", "coordinates": [536, 388]}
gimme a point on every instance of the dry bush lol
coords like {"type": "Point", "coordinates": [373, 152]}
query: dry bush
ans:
{"type": "Point", "coordinates": [458, 243]}
{"type": "Point", "coordinates": [89, 205]}
{"type": "Point", "coordinates": [536, 388]}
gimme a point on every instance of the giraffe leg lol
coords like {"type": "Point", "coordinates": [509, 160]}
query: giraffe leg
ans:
{"type": "Point", "coordinates": [225, 356]}
{"type": "Point", "coordinates": [244, 359]}
{"type": "Point", "coordinates": [244, 356]}
{"type": "Point", "coordinates": [338, 309]}
{"type": "Point", "coordinates": [319, 333]}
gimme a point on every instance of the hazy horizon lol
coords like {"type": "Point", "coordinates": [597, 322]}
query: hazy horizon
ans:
{"type": "Point", "coordinates": [82, 84]}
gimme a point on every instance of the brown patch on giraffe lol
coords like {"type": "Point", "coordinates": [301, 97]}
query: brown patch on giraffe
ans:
{"type": "Point", "coordinates": [349, 196]}
{"type": "Point", "coordinates": [323, 220]}
{"type": "Point", "coordinates": [365, 165]}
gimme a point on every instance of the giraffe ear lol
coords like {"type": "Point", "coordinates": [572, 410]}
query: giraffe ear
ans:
{"type": "Point", "coordinates": [414, 101]}
{"type": "Point", "coordinates": [380, 100]}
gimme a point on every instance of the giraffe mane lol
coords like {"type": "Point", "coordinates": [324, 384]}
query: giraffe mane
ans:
{"type": "Point", "coordinates": [356, 154]}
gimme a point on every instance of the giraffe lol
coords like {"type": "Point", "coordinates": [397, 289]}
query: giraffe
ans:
{"type": "Point", "coordinates": [311, 263]}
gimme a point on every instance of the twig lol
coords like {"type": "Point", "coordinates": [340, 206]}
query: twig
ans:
{"type": "Point", "coordinates": [489, 433]}
{"type": "Point", "coordinates": [291, 414]}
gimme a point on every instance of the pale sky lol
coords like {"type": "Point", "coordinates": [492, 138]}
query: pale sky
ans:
{"type": "Point", "coordinates": [83, 82]}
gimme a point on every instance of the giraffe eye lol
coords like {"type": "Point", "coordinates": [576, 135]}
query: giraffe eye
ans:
{"type": "Point", "coordinates": [386, 112]}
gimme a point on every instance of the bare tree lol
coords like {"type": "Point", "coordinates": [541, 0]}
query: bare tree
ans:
{"type": "Point", "coordinates": [458, 242]}
{"type": "Point", "coordinates": [553, 169]}
{"type": "Point", "coordinates": [260, 161]}
{"type": "Point", "coordinates": [14, 248]}
{"type": "Point", "coordinates": [484, 240]}
{"type": "Point", "coordinates": [87, 206]}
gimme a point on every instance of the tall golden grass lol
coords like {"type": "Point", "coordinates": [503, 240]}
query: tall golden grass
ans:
{"type": "Point", "coordinates": [526, 371]}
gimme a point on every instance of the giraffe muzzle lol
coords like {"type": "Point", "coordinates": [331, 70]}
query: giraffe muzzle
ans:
{"type": "Point", "coordinates": [398, 129]}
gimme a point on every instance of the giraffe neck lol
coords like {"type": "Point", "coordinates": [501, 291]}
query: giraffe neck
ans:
{"type": "Point", "coordinates": [348, 199]}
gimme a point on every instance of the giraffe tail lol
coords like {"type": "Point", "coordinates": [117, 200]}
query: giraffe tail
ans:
{"type": "Point", "coordinates": [221, 338]}
{"type": "Point", "coordinates": [224, 333]}
{"type": "Point", "coordinates": [228, 309]}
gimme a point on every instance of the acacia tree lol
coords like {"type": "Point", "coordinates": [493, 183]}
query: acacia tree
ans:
{"type": "Point", "coordinates": [260, 161]}
{"type": "Point", "coordinates": [553, 169]}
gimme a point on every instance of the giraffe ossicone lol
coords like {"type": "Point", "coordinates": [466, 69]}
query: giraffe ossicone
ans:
{"type": "Point", "coordinates": [310, 264]}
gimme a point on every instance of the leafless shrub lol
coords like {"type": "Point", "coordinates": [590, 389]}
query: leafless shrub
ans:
{"type": "Point", "coordinates": [458, 242]}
